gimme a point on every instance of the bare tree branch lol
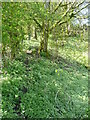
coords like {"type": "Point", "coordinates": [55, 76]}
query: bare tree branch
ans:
{"type": "Point", "coordinates": [40, 26]}
{"type": "Point", "coordinates": [73, 7]}
{"type": "Point", "coordinates": [82, 17]}
{"type": "Point", "coordinates": [81, 9]}
{"type": "Point", "coordinates": [80, 4]}
{"type": "Point", "coordinates": [54, 25]}
{"type": "Point", "coordinates": [57, 7]}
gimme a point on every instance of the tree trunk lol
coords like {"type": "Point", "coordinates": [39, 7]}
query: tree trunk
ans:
{"type": "Point", "coordinates": [35, 36]}
{"type": "Point", "coordinates": [44, 40]}
{"type": "Point", "coordinates": [12, 53]}
{"type": "Point", "coordinates": [45, 33]}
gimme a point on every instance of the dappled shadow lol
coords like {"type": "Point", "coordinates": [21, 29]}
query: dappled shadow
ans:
{"type": "Point", "coordinates": [66, 63]}
{"type": "Point", "coordinates": [40, 88]}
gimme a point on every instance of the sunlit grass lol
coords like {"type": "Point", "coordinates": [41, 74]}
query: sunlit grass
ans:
{"type": "Point", "coordinates": [47, 88]}
{"type": "Point", "coordinates": [74, 49]}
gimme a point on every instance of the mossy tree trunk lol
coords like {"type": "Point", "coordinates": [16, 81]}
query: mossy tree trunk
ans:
{"type": "Point", "coordinates": [45, 31]}
{"type": "Point", "coordinates": [35, 36]}
{"type": "Point", "coordinates": [45, 36]}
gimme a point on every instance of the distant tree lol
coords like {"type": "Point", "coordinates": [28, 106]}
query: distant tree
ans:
{"type": "Point", "coordinates": [48, 16]}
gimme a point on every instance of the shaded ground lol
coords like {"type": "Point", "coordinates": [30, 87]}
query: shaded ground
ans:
{"type": "Point", "coordinates": [42, 88]}
{"type": "Point", "coordinates": [39, 87]}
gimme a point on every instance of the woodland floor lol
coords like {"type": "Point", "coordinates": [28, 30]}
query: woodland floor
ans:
{"type": "Point", "coordinates": [53, 87]}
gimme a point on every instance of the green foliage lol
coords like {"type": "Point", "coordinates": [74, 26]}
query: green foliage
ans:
{"type": "Point", "coordinates": [74, 49]}
{"type": "Point", "coordinates": [13, 22]}
{"type": "Point", "coordinates": [36, 86]}
{"type": "Point", "coordinates": [44, 89]}
{"type": "Point", "coordinates": [42, 15]}
{"type": "Point", "coordinates": [16, 68]}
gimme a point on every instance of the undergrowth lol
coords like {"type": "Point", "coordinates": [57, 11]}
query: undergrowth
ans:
{"type": "Point", "coordinates": [42, 88]}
